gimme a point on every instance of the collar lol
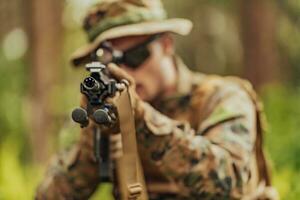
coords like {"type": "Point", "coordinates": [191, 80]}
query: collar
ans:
{"type": "Point", "coordinates": [184, 77]}
{"type": "Point", "coordinates": [186, 81]}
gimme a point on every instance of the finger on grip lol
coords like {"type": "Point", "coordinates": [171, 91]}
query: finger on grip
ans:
{"type": "Point", "coordinates": [119, 73]}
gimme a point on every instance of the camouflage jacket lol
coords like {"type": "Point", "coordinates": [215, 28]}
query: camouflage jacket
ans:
{"type": "Point", "coordinates": [205, 142]}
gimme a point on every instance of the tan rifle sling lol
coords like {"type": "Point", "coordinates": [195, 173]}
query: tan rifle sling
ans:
{"type": "Point", "coordinates": [129, 171]}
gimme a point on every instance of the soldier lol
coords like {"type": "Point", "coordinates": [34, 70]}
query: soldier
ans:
{"type": "Point", "coordinates": [200, 136]}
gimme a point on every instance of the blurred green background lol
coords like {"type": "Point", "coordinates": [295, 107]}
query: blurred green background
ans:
{"type": "Point", "coordinates": [258, 40]}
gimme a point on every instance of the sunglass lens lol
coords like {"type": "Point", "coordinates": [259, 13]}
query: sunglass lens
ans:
{"type": "Point", "coordinates": [136, 57]}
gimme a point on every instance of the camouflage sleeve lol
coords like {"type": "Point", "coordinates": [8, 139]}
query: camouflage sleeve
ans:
{"type": "Point", "coordinates": [213, 158]}
{"type": "Point", "coordinates": [72, 174]}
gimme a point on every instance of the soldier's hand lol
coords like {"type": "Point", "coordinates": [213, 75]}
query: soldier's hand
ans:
{"type": "Point", "coordinates": [123, 77]}
{"type": "Point", "coordinates": [120, 74]}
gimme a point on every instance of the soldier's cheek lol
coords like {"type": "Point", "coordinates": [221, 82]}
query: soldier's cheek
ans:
{"type": "Point", "coordinates": [141, 91]}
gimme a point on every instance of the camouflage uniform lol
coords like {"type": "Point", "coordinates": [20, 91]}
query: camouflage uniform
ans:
{"type": "Point", "coordinates": [204, 142]}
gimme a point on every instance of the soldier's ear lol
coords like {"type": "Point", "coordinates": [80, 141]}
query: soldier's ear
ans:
{"type": "Point", "coordinates": [167, 44]}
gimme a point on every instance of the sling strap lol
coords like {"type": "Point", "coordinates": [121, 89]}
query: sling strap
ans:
{"type": "Point", "coordinates": [130, 175]}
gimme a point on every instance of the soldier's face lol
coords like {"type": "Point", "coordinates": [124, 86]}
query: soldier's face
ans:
{"type": "Point", "coordinates": [157, 74]}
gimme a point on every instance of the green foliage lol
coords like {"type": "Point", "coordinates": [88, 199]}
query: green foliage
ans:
{"type": "Point", "coordinates": [17, 180]}
{"type": "Point", "coordinates": [103, 192]}
{"type": "Point", "coordinates": [13, 89]}
{"type": "Point", "coordinates": [288, 30]}
{"type": "Point", "coordinates": [292, 8]}
{"type": "Point", "coordinates": [282, 106]}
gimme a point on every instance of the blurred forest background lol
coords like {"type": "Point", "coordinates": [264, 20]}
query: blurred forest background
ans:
{"type": "Point", "coordinates": [257, 39]}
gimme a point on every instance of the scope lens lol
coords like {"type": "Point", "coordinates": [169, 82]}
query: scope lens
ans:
{"type": "Point", "coordinates": [89, 82]}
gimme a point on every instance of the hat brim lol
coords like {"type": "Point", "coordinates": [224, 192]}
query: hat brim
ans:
{"type": "Point", "coordinates": [177, 25]}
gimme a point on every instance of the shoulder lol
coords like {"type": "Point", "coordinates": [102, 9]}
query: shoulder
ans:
{"type": "Point", "coordinates": [220, 99]}
{"type": "Point", "coordinates": [218, 88]}
{"type": "Point", "coordinates": [220, 83]}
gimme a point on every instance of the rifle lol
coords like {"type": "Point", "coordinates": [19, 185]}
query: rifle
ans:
{"type": "Point", "coordinates": [128, 171]}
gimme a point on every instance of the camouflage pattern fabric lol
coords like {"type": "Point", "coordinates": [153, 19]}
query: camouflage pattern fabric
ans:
{"type": "Point", "coordinates": [109, 14]}
{"type": "Point", "coordinates": [197, 144]}
{"type": "Point", "coordinates": [73, 174]}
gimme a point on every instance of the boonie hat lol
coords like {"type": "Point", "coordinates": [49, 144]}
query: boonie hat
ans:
{"type": "Point", "coordinates": [111, 19]}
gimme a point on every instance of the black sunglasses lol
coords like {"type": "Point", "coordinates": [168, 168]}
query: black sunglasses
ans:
{"type": "Point", "coordinates": [133, 57]}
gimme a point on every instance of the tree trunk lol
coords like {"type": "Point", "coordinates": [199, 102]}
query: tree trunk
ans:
{"type": "Point", "coordinates": [258, 23]}
{"type": "Point", "coordinates": [45, 46]}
